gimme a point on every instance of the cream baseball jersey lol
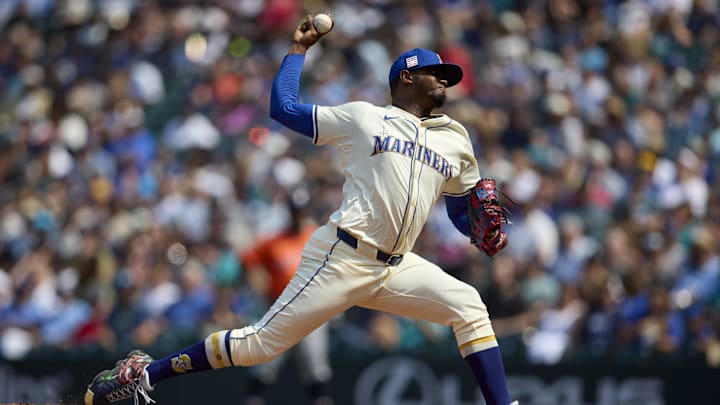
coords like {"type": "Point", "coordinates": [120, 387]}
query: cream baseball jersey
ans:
{"type": "Point", "coordinates": [396, 166]}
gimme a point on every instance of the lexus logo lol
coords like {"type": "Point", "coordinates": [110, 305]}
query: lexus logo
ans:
{"type": "Point", "coordinates": [396, 381]}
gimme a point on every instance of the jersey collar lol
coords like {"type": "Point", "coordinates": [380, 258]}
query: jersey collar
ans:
{"type": "Point", "coordinates": [429, 121]}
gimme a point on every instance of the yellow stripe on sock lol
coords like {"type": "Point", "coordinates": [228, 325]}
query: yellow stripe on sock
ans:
{"type": "Point", "coordinates": [216, 349]}
{"type": "Point", "coordinates": [477, 341]}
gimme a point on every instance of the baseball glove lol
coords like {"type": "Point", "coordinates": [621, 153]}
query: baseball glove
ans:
{"type": "Point", "coordinates": [486, 218]}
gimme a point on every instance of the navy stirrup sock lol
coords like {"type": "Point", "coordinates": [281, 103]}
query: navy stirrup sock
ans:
{"type": "Point", "coordinates": [487, 365]}
{"type": "Point", "coordinates": [193, 358]}
{"type": "Point", "coordinates": [187, 360]}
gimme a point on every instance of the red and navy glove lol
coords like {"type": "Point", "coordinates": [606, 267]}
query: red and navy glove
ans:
{"type": "Point", "coordinates": [486, 218]}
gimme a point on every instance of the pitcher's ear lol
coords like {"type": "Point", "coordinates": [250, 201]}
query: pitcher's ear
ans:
{"type": "Point", "coordinates": [405, 76]}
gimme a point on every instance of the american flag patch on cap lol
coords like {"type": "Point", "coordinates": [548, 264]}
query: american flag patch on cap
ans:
{"type": "Point", "coordinates": [411, 61]}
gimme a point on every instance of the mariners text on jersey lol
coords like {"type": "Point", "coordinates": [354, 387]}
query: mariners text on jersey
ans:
{"type": "Point", "coordinates": [424, 155]}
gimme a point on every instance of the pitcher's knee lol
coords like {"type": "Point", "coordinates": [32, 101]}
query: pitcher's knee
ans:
{"type": "Point", "coordinates": [473, 320]}
{"type": "Point", "coordinates": [247, 349]}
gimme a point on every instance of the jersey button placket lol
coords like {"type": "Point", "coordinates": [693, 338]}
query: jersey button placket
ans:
{"type": "Point", "coordinates": [414, 184]}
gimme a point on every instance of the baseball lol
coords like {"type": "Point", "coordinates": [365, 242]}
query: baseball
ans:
{"type": "Point", "coordinates": [323, 23]}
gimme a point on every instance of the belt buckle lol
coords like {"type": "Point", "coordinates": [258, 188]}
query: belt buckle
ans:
{"type": "Point", "coordinates": [394, 260]}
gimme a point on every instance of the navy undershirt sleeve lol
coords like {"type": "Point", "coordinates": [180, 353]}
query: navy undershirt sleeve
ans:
{"type": "Point", "coordinates": [285, 106]}
{"type": "Point", "coordinates": [457, 211]}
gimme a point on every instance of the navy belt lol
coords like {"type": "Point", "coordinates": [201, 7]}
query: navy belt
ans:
{"type": "Point", "coordinates": [387, 258]}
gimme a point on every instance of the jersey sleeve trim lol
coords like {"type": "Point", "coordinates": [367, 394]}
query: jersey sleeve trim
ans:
{"type": "Point", "coordinates": [457, 195]}
{"type": "Point", "coordinates": [315, 124]}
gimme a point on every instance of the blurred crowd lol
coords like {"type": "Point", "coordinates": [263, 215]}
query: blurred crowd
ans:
{"type": "Point", "coordinates": [138, 163]}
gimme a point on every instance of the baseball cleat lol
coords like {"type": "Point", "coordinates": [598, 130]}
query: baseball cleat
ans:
{"type": "Point", "coordinates": [127, 379]}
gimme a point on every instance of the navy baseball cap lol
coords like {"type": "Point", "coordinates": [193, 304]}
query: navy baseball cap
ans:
{"type": "Point", "coordinates": [419, 58]}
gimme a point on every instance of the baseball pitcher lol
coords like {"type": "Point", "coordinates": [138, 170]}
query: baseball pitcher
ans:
{"type": "Point", "coordinates": [397, 161]}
